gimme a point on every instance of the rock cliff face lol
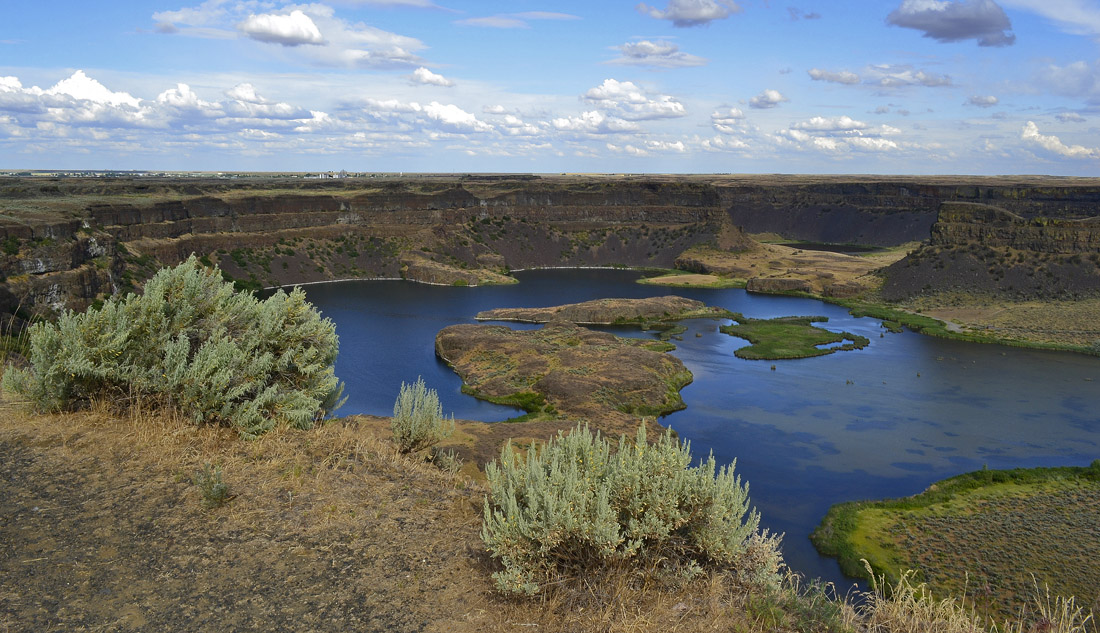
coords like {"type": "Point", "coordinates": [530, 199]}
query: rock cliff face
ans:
{"type": "Point", "coordinates": [988, 250]}
{"type": "Point", "coordinates": [67, 242]}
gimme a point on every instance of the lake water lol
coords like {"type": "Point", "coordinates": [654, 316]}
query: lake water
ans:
{"type": "Point", "coordinates": [884, 421]}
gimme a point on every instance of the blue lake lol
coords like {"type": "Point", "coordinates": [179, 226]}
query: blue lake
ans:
{"type": "Point", "coordinates": [885, 421]}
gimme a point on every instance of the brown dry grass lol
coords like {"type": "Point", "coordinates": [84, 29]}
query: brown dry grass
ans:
{"type": "Point", "coordinates": [326, 529]}
{"type": "Point", "coordinates": [819, 268]}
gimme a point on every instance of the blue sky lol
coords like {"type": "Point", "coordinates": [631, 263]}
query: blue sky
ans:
{"type": "Point", "coordinates": [795, 86]}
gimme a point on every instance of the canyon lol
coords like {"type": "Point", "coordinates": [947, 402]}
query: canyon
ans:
{"type": "Point", "coordinates": [66, 243]}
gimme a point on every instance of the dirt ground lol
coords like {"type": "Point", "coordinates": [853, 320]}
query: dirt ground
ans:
{"type": "Point", "coordinates": [102, 529]}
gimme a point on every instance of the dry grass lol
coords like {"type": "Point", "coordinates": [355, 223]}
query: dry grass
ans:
{"type": "Point", "coordinates": [909, 607]}
{"type": "Point", "coordinates": [333, 529]}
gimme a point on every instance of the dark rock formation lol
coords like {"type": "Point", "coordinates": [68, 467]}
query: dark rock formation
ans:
{"type": "Point", "coordinates": [982, 249]}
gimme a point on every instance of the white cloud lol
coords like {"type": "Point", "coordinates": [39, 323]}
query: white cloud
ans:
{"type": "Point", "coordinates": [648, 147]}
{"type": "Point", "coordinates": [311, 33]}
{"type": "Point", "coordinates": [514, 126]}
{"type": "Point", "coordinates": [986, 101]}
{"type": "Point", "coordinates": [659, 53]}
{"type": "Point", "coordinates": [293, 29]}
{"type": "Point", "coordinates": [724, 144]}
{"type": "Point", "coordinates": [1053, 144]}
{"type": "Point", "coordinates": [892, 76]}
{"type": "Point", "coordinates": [728, 121]}
{"type": "Point", "coordinates": [455, 118]}
{"type": "Point", "coordinates": [424, 76]}
{"type": "Point", "coordinates": [684, 13]}
{"type": "Point", "coordinates": [836, 77]}
{"type": "Point", "coordinates": [80, 86]}
{"type": "Point", "coordinates": [831, 124]}
{"type": "Point", "coordinates": [838, 135]}
{"type": "Point", "coordinates": [1070, 117]}
{"type": "Point", "coordinates": [946, 21]}
{"type": "Point", "coordinates": [631, 102]}
{"type": "Point", "coordinates": [494, 109]}
{"type": "Point", "coordinates": [767, 99]}
{"type": "Point", "coordinates": [593, 122]}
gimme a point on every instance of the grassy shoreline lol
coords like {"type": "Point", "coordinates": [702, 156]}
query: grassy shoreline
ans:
{"type": "Point", "coordinates": [980, 526]}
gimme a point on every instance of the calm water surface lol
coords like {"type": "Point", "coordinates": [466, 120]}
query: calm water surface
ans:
{"type": "Point", "coordinates": [917, 409]}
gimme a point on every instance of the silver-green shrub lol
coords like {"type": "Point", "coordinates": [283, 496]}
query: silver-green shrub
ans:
{"type": "Point", "coordinates": [418, 421]}
{"type": "Point", "coordinates": [192, 344]}
{"type": "Point", "coordinates": [575, 505]}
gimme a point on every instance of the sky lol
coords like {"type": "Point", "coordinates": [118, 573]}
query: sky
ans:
{"type": "Point", "coordinates": [665, 86]}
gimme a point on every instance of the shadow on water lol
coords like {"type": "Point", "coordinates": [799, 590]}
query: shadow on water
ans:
{"type": "Point", "coordinates": [885, 421]}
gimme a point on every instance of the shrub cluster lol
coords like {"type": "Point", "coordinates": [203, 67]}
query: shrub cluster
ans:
{"type": "Point", "coordinates": [418, 421]}
{"type": "Point", "coordinates": [192, 344]}
{"type": "Point", "coordinates": [576, 505]}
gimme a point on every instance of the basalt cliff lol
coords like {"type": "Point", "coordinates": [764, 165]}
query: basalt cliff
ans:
{"type": "Point", "coordinates": [68, 242]}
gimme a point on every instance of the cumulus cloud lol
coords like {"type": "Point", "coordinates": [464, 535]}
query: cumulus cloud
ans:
{"type": "Point", "coordinates": [767, 99]}
{"type": "Point", "coordinates": [1070, 117]}
{"type": "Point", "coordinates": [312, 31]}
{"type": "Point", "coordinates": [836, 77]}
{"type": "Point", "coordinates": [515, 20]}
{"type": "Point", "coordinates": [891, 76]}
{"type": "Point", "coordinates": [593, 122]}
{"type": "Point", "coordinates": [724, 144]}
{"type": "Point", "coordinates": [728, 121]}
{"type": "Point", "coordinates": [830, 124]}
{"type": "Point", "coordinates": [1054, 145]}
{"type": "Point", "coordinates": [293, 29]}
{"type": "Point", "coordinates": [424, 76]}
{"type": "Point", "coordinates": [838, 135]}
{"type": "Point", "coordinates": [81, 86]}
{"type": "Point", "coordinates": [455, 118]}
{"type": "Point", "coordinates": [648, 147]}
{"type": "Point", "coordinates": [514, 126]}
{"type": "Point", "coordinates": [684, 13]}
{"type": "Point", "coordinates": [659, 53]}
{"type": "Point", "coordinates": [946, 21]}
{"type": "Point", "coordinates": [629, 101]}
{"type": "Point", "coordinates": [986, 101]}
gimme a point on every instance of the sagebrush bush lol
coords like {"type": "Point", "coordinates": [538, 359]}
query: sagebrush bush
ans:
{"type": "Point", "coordinates": [574, 505]}
{"type": "Point", "coordinates": [193, 344]}
{"type": "Point", "coordinates": [418, 421]}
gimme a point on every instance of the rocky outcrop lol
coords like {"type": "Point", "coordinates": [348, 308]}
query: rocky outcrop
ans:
{"type": "Point", "coordinates": [981, 249]}
{"type": "Point", "coordinates": [777, 284]}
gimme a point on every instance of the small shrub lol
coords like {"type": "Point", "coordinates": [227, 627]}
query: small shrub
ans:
{"type": "Point", "coordinates": [190, 344]}
{"type": "Point", "coordinates": [573, 506]}
{"type": "Point", "coordinates": [214, 491]}
{"type": "Point", "coordinates": [446, 460]}
{"type": "Point", "coordinates": [418, 421]}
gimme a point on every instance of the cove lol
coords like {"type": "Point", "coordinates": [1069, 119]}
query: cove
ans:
{"type": "Point", "coordinates": [884, 421]}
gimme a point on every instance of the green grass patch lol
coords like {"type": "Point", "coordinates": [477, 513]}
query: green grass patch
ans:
{"type": "Point", "coordinates": [789, 337]}
{"type": "Point", "coordinates": [995, 527]}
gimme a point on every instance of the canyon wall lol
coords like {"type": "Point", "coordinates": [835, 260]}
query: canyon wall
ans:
{"type": "Point", "coordinates": [67, 242]}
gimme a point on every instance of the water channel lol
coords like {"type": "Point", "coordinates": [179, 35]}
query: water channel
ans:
{"type": "Point", "coordinates": [884, 421]}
